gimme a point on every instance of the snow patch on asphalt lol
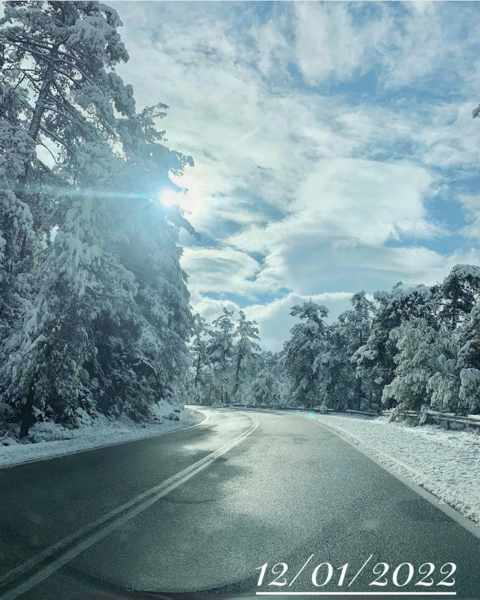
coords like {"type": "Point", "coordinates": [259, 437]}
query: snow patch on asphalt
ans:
{"type": "Point", "coordinates": [446, 463]}
{"type": "Point", "coordinates": [47, 440]}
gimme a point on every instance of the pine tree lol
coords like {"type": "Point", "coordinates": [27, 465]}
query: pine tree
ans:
{"type": "Point", "coordinates": [58, 66]}
{"type": "Point", "coordinates": [347, 335]}
{"type": "Point", "coordinates": [47, 374]}
{"type": "Point", "coordinates": [468, 362]}
{"type": "Point", "coordinates": [146, 242]}
{"type": "Point", "coordinates": [221, 355]}
{"type": "Point", "coordinates": [444, 385]}
{"type": "Point", "coordinates": [198, 348]}
{"type": "Point", "coordinates": [265, 389]}
{"type": "Point", "coordinates": [459, 292]}
{"type": "Point", "coordinates": [59, 56]}
{"type": "Point", "coordinates": [17, 237]}
{"type": "Point", "coordinates": [416, 362]}
{"type": "Point", "coordinates": [304, 349]}
{"type": "Point", "coordinates": [246, 349]}
{"type": "Point", "coordinates": [375, 360]}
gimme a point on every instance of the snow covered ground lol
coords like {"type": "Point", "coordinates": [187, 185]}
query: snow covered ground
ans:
{"type": "Point", "coordinates": [51, 440]}
{"type": "Point", "coordinates": [446, 463]}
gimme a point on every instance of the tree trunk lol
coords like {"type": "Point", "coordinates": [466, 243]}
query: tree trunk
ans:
{"type": "Point", "coordinates": [41, 103]}
{"type": "Point", "coordinates": [197, 372]}
{"type": "Point", "coordinates": [237, 374]}
{"type": "Point", "coordinates": [26, 414]}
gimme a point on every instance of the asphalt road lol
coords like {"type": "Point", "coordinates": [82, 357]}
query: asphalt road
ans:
{"type": "Point", "coordinates": [121, 523]}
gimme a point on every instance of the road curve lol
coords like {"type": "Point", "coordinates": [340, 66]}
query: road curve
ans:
{"type": "Point", "coordinates": [288, 489]}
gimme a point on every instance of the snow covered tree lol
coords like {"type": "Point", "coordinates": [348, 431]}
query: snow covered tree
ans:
{"type": "Point", "coordinates": [59, 58]}
{"type": "Point", "coordinates": [469, 394]}
{"type": "Point", "coordinates": [416, 362]}
{"type": "Point", "coordinates": [459, 292]}
{"type": "Point", "coordinates": [58, 62]}
{"type": "Point", "coordinates": [267, 384]}
{"type": "Point", "coordinates": [198, 349]}
{"type": "Point", "coordinates": [357, 321]}
{"type": "Point", "coordinates": [246, 349]}
{"type": "Point", "coordinates": [46, 373]}
{"type": "Point", "coordinates": [107, 323]}
{"type": "Point", "coordinates": [304, 349]}
{"type": "Point", "coordinates": [468, 362]}
{"type": "Point", "coordinates": [334, 387]}
{"type": "Point", "coordinates": [374, 360]}
{"type": "Point", "coordinates": [346, 336]}
{"type": "Point", "coordinates": [453, 387]}
{"type": "Point", "coordinates": [145, 240]}
{"type": "Point", "coordinates": [220, 351]}
{"type": "Point", "coordinates": [17, 237]}
{"type": "Point", "coordinates": [265, 389]}
{"type": "Point", "coordinates": [58, 96]}
{"type": "Point", "coordinates": [226, 357]}
{"type": "Point", "coordinates": [120, 324]}
{"type": "Point", "coordinates": [444, 385]}
{"type": "Point", "coordinates": [410, 347]}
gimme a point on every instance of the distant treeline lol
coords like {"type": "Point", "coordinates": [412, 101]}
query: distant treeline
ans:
{"type": "Point", "coordinates": [405, 348]}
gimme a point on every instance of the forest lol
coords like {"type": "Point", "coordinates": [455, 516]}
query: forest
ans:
{"type": "Point", "coordinates": [407, 348]}
{"type": "Point", "coordinates": [95, 312]}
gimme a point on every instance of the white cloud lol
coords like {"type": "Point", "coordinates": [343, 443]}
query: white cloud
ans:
{"type": "Point", "coordinates": [341, 40]}
{"type": "Point", "coordinates": [471, 206]}
{"type": "Point", "coordinates": [319, 183]}
{"type": "Point", "coordinates": [220, 270]}
{"type": "Point", "coordinates": [421, 28]}
{"type": "Point", "coordinates": [345, 212]}
{"type": "Point", "coordinates": [330, 44]}
{"type": "Point", "coordinates": [451, 137]}
{"type": "Point", "coordinates": [309, 266]}
{"type": "Point", "coordinates": [370, 201]}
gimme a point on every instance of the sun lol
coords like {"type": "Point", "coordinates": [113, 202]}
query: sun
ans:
{"type": "Point", "coordinates": [170, 197]}
{"type": "Point", "coordinates": [187, 191]}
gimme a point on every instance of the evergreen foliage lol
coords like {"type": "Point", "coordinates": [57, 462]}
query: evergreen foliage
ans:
{"type": "Point", "coordinates": [410, 347]}
{"type": "Point", "coordinates": [94, 308]}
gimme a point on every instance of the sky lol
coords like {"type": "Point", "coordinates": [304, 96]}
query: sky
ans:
{"type": "Point", "coordinates": [333, 143]}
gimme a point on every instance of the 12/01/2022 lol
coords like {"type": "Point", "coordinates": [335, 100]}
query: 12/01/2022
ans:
{"type": "Point", "coordinates": [379, 574]}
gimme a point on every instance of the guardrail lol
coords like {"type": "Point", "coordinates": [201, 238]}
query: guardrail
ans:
{"type": "Point", "coordinates": [444, 420]}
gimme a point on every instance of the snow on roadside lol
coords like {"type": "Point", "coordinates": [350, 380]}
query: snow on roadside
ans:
{"type": "Point", "coordinates": [50, 440]}
{"type": "Point", "coordinates": [446, 463]}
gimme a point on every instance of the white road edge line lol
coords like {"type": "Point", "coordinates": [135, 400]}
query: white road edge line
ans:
{"type": "Point", "coordinates": [466, 523]}
{"type": "Point", "coordinates": [102, 446]}
{"type": "Point", "coordinates": [363, 594]}
{"type": "Point", "coordinates": [91, 534]}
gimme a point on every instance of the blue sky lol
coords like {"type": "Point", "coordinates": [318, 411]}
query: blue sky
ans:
{"type": "Point", "coordinates": [334, 144]}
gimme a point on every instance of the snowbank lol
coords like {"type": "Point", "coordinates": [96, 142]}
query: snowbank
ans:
{"type": "Point", "coordinates": [446, 463]}
{"type": "Point", "coordinates": [49, 440]}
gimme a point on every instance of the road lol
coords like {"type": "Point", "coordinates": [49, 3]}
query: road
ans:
{"type": "Point", "coordinates": [139, 521]}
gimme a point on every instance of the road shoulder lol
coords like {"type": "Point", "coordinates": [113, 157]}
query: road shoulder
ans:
{"type": "Point", "coordinates": [102, 435]}
{"type": "Point", "coordinates": [443, 498]}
